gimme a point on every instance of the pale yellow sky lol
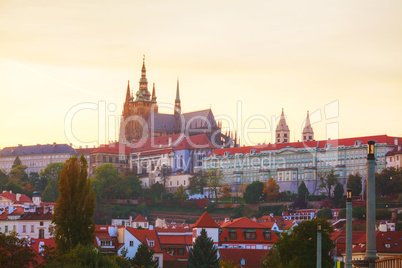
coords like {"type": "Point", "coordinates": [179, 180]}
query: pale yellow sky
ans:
{"type": "Point", "coordinates": [342, 59]}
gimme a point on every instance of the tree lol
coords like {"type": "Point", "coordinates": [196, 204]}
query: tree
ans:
{"type": "Point", "coordinates": [197, 183]}
{"type": "Point", "coordinates": [299, 247]}
{"type": "Point", "coordinates": [3, 177]}
{"type": "Point", "coordinates": [17, 162]}
{"type": "Point", "coordinates": [388, 182]}
{"type": "Point", "coordinates": [204, 253]}
{"type": "Point", "coordinates": [325, 213]}
{"type": "Point", "coordinates": [18, 174]}
{"type": "Point", "coordinates": [180, 193]}
{"type": "Point", "coordinates": [214, 181]}
{"type": "Point", "coordinates": [104, 176]}
{"type": "Point", "coordinates": [52, 171]}
{"type": "Point", "coordinates": [355, 184]}
{"type": "Point", "coordinates": [271, 190]}
{"type": "Point", "coordinates": [302, 197]}
{"type": "Point", "coordinates": [253, 193]}
{"type": "Point", "coordinates": [75, 208]}
{"type": "Point", "coordinates": [51, 192]}
{"type": "Point", "coordinates": [338, 194]}
{"type": "Point", "coordinates": [15, 252]}
{"type": "Point", "coordinates": [226, 191]}
{"type": "Point", "coordinates": [144, 257]}
{"type": "Point", "coordinates": [157, 189]}
{"type": "Point", "coordinates": [328, 180]}
{"type": "Point", "coordinates": [271, 259]}
{"type": "Point", "coordinates": [13, 186]}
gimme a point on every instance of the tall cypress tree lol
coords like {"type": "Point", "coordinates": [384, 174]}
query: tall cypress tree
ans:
{"type": "Point", "coordinates": [204, 253]}
{"type": "Point", "coordinates": [75, 207]}
{"type": "Point", "coordinates": [17, 162]}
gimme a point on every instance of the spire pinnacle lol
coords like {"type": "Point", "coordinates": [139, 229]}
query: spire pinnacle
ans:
{"type": "Point", "coordinates": [153, 93]}
{"type": "Point", "coordinates": [177, 91]}
{"type": "Point", "coordinates": [128, 92]}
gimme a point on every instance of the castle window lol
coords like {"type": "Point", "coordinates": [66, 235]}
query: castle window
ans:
{"type": "Point", "coordinates": [285, 135]}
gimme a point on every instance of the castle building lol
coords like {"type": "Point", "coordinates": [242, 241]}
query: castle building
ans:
{"type": "Point", "coordinates": [141, 119]}
{"type": "Point", "coordinates": [282, 132]}
{"type": "Point", "coordinates": [291, 163]}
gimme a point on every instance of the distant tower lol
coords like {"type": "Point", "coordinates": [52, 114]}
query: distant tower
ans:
{"type": "Point", "coordinates": [139, 105]}
{"type": "Point", "coordinates": [282, 133]}
{"type": "Point", "coordinates": [308, 133]}
{"type": "Point", "coordinates": [36, 195]}
{"type": "Point", "coordinates": [177, 110]}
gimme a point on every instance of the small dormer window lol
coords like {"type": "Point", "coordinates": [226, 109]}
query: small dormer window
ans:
{"type": "Point", "coordinates": [243, 262]}
{"type": "Point", "coordinates": [253, 151]}
{"type": "Point", "coordinates": [226, 154]}
{"type": "Point", "coordinates": [388, 245]}
{"type": "Point", "coordinates": [151, 244]}
{"type": "Point", "coordinates": [328, 145]}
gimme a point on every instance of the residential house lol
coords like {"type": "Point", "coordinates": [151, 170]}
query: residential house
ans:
{"type": "Point", "coordinates": [8, 198]}
{"type": "Point", "coordinates": [244, 233]}
{"type": "Point", "coordinates": [132, 239]}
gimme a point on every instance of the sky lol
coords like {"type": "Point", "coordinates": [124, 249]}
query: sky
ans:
{"type": "Point", "coordinates": [64, 66]}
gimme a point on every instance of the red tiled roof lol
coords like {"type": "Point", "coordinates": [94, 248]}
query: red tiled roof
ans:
{"type": "Point", "coordinates": [13, 197]}
{"type": "Point", "coordinates": [176, 239]}
{"type": "Point", "coordinates": [102, 228]}
{"type": "Point", "coordinates": [37, 215]}
{"type": "Point", "coordinates": [140, 218]}
{"type": "Point", "coordinates": [165, 144]}
{"type": "Point", "coordinates": [103, 235]}
{"type": "Point", "coordinates": [143, 235]}
{"type": "Point", "coordinates": [252, 257]}
{"type": "Point", "coordinates": [174, 230]}
{"type": "Point", "coordinates": [308, 144]}
{"type": "Point", "coordinates": [392, 238]}
{"type": "Point", "coordinates": [240, 239]}
{"type": "Point", "coordinates": [205, 221]}
{"type": "Point", "coordinates": [242, 223]}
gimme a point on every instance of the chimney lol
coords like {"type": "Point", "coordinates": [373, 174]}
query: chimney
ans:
{"type": "Point", "coordinates": [86, 146]}
{"type": "Point", "coordinates": [19, 145]}
{"type": "Point", "coordinates": [170, 141]}
{"type": "Point", "coordinates": [396, 141]}
{"type": "Point", "coordinates": [54, 144]}
{"type": "Point", "coordinates": [18, 196]}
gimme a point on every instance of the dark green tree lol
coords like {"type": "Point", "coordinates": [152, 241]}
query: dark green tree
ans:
{"type": "Point", "coordinates": [15, 252]}
{"type": "Point", "coordinates": [3, 178]}
{"type": "Point", "coordinates": [302, 197]}
{"type": "Point", "coordinates": [271, 259]}
{"type": "Point", "coordinates": [324, 213]}
{"type": "Point", "coordinates": [328, 181]}
{"type": "Point", "coordinates": [52, 171]}
{"type": "Point", "coordinates": [299, 248]}
{"type": "Point", "coordinates": [254, 192]}
{"type": "Point", "coordinates": [105, 175]}
{"type": "Point", "coordinates": [51, 193]}
{"type": "Point", "coordinates": [338, 194]}
{"type": "Point", "coordinates": [17, 162]}
{"type": "Point", "coordinates": [197, 183]}
{"type": "Point", "coordinates": [204, 253]}
{"type": "Point", "coordinates": [74, 210]}
{"type": "Point", "coordinates": [359, 212]}
{"type": "Point", "coordinates": [388, 182]}
{"type": "Point", "coordinates": [13, 186]}
{"type": "Point", "coordinates": [144, 257]}
{"type": "Point", "coordinates": [157, 189]}
{"type": "Point", "coordinates": [18, 174]}
{"type": "Point", "coordinates": [354, 184]}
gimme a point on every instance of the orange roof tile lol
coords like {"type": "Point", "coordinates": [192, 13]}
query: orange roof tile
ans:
{"type": "Point", "coordinates": [205, 221]}
{"type": "Point", "coordinates": [140, 218]}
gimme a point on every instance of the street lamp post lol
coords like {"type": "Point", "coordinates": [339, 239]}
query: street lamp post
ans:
{"type": "Point", "coordinates": [348, 259]}
{"type": "Point", "coordinates": [371, 252]}
{"type": "Point", "coordinates": [319, 250]}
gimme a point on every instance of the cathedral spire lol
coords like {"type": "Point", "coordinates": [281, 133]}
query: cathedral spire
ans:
{"type": "Point", "coordinates": [153, 93]}
{"type": "Point", "coordinates": [282, 130]}
{"type": "Point", "coordinates": [308, 133]}
{"type": "Point", "coordinates": [128, 92]}
{"type": "Point", "coordinates": [177, 105]}
{"type": "Point", "coordinates": [143, 93]}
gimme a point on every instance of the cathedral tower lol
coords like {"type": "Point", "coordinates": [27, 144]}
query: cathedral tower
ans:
{"type": "Point", "coordinates": [282, 133]}
{"type": "Point", "coordinates": [308, 133]}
